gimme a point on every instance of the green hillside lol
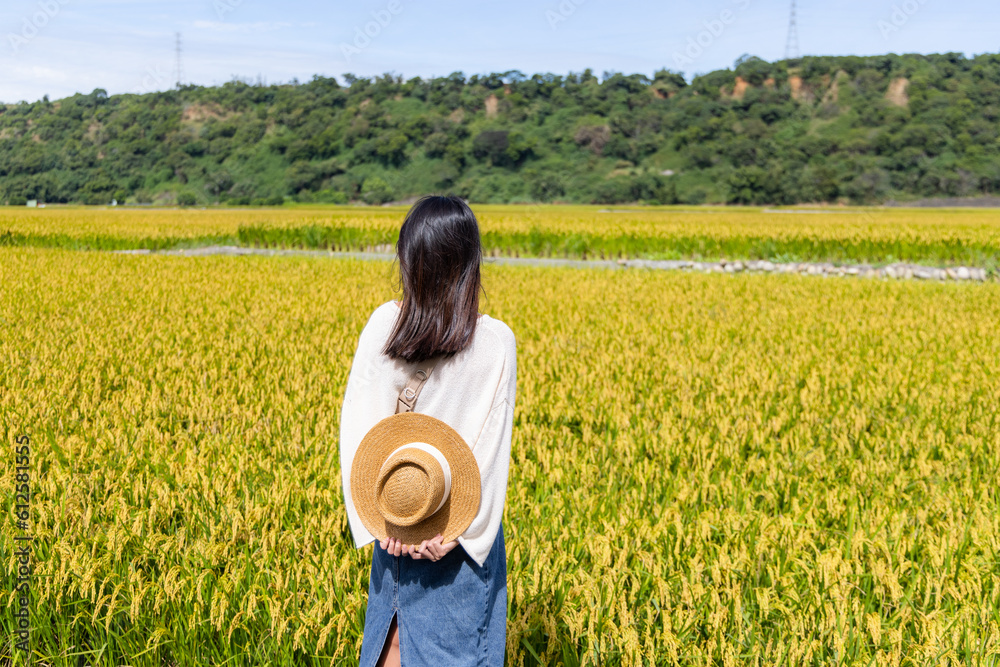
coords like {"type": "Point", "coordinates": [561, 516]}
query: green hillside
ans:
{"type": "Point", "coordinates": [856, 129]}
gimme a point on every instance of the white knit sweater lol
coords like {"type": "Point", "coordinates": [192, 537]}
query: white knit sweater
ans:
{"type": "Point", "coordinates": [473, 392]}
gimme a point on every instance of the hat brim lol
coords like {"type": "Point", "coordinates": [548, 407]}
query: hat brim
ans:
{"type": "Point", "coordinates": [462, 504]}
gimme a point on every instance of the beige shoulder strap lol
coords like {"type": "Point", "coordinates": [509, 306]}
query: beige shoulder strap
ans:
{"type": "Point", "coordinates": [408, 396]}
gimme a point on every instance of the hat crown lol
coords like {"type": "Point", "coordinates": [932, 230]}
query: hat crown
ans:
{"type": "Point", "coordinates": [376, 464]}
{"type": "Point", "coordinates": [411, 486]}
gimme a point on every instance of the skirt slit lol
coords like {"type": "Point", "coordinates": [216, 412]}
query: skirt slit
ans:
{"type": "Point", "coordinates": [385, 640]}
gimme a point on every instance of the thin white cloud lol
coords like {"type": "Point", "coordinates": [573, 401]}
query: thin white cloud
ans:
{"type": "Point", "coordinates": [36, 73]}
{"type": "Point", "coordinates": [259, 26]}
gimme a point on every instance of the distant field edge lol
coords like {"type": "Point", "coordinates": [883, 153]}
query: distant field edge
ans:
{"type": "Point", "coordinates": [543, 244]}
{"type": "Point", "coordinates": [901, 271]}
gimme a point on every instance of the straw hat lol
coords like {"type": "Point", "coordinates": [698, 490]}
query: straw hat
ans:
{"type": "Point", "coordinates": [413, 477]}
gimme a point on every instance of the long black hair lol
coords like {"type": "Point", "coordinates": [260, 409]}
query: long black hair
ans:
{"type": "Point", "coordinates": [440, 254]}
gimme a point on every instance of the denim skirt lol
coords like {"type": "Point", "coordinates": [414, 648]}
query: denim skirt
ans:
{"type": "Point", "coordinates": [449, 612]}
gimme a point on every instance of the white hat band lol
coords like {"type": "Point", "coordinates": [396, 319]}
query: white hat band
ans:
{"type": "Point", "coordinates": [438, 456]}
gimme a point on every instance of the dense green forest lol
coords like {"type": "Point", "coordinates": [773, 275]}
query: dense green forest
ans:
{"type": "Point", "coordinates": [814, 129]}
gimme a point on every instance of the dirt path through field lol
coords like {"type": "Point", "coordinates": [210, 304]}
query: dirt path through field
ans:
{"type": "Point", "coordinates": [896, 271]}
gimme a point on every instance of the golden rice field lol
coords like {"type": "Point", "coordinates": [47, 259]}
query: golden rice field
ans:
{"type": "Point", "coordinates": [707, 469]}
{"type": "Point", "coordinates": [949, 237]}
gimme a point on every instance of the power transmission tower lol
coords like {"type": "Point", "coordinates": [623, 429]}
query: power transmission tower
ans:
{"type": "Point", "coordinates": [792, 45]}
{"type": "Point", "coordinates": [179, 71]}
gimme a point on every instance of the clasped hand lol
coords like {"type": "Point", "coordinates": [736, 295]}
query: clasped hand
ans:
{"type": "Point", "coordinates": [431, 549]}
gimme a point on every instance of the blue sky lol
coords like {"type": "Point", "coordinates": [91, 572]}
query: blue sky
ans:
{"type": "Point", "coordinates": [60, 47]}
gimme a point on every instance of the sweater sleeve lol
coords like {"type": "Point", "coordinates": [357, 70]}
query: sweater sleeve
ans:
{"type": "Point", "coordinates": [492, 453]}
{"type": "Point", "coordinates": [356, 418]}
